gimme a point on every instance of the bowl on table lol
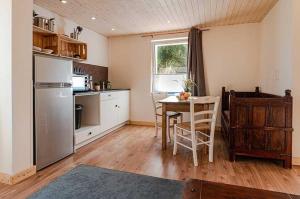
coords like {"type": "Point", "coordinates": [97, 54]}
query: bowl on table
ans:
{"type": "Point", "coordinates": [184, 96]}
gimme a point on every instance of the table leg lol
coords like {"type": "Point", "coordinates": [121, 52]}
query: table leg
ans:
{"type": "Point", "coordinates": [164, 127]}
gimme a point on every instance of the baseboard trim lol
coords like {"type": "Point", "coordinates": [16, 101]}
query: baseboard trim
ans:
{"type": "Point", "coordinates": [18, 177]}
{"type": "Point", "coordinates": [296, 161]}
{"type": "Point", "coordinates": [142, 123]}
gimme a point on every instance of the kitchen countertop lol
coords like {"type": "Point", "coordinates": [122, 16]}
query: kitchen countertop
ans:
{"type": "Point", "coordinates": [98, 92]}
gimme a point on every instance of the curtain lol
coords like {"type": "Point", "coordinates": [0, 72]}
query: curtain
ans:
{"type": "Point", "coordinates": [195, 62]}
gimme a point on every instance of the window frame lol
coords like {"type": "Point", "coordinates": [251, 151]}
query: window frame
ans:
{"type": "Point", "coordinates": [163, 42]}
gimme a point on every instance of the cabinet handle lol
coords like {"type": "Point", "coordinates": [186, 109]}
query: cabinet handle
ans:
{"type": "Point", "coordinates": [109, 95]}
{"type": "Point", "coordinates": [90, 133]}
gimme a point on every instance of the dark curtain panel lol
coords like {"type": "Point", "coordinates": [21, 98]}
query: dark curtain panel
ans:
{"type": "Point", "coordinates": [195, 62]}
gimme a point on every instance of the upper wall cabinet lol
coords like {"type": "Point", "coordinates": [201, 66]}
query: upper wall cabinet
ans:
{"type": "Point", "coordinates": [61, 45]}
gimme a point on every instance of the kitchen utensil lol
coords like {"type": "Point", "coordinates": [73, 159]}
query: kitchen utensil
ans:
{"type": "Point", "coordinates": [51, 24]}
{"type": "Point", "coordinates": [41, 22]}
{"type": "Point", "coordinates": [91, 83]}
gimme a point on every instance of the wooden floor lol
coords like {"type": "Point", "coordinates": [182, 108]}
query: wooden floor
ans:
{"type": "Point", "coordinates": [135, 149]}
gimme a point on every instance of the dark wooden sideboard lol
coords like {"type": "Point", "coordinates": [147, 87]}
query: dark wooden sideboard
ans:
{"type": "Point", "coordinates": [258, 124]}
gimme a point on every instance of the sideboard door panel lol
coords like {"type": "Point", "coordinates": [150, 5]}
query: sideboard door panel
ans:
{"type": "Point", "coordinates": [242, 116]}
{"type": "Point", "coordinates": [277, 141]}
{"type": "Point", "coordinates": [240, 139]}
{"type": "Point", "coordinates": [277, 116]}
{"type": "Point", "coordinates": [258, 140]}
{"type": "Point", "coordinates": [258, 116]}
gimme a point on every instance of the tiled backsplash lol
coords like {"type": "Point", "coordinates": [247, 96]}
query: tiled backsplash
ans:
{"type": "Point", "coordinates": [99, 73]}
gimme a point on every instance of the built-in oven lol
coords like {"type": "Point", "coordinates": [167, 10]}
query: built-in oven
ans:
{"type": "Point", "coordinates": [80, 83]}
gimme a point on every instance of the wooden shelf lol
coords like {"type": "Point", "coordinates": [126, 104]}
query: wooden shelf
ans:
{"type": "Point", "coordinates": [75, 59]}
{"type": "Point", "coordinates": [61, 45]}
{"type": "Point", "coordinates": [42, 31]}
{"type": "Point", "coordinates": [43, 53]}
{"type": "Point", "coordinates": [70, 40]}
{"type": "Point", "coordinates": [56, 55]}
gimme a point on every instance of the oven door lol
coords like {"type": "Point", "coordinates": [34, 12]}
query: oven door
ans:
{"type": "Point", "coordinates": [78, 83]}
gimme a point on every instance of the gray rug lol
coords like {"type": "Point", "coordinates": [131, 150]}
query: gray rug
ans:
{"type": "Point", "coordinates": [92, 182]}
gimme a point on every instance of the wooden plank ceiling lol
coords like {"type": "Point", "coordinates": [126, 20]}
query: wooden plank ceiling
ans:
{"type": "Point", "coordinates": [122, 17]}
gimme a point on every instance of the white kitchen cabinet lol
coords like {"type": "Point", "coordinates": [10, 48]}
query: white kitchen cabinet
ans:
{"type": "Point", "coordinates": [123, 106]}
{"type": "Point", "coordinates": [107, 114]}
{"type": "Point", "coordinates": [114, 112]}
{"type": "Point", "coordinates": [114, 109]}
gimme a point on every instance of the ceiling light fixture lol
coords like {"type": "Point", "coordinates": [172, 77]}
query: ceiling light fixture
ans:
{"type": "Point", "coordinates": [63, 1]}
{"type": "Point", "coordinates": [93, 18]}
{"type": "Point", "coordinates": [113, 29]}
{"type": "Point", "coordinates": [169, 21]}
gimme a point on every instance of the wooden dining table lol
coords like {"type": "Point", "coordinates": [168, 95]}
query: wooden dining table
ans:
{"type": "Point", "coordinates": [173, 104]}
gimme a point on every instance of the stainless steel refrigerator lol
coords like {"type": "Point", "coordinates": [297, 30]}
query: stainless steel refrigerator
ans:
{"type": "Point", "coordinates": [53, 109]}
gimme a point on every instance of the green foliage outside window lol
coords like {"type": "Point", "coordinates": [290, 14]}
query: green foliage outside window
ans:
{"type": "Point", "coordinates": [172, 59]}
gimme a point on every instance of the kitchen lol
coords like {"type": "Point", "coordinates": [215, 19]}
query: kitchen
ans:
{"type": "Point", "coordinates": [79, 117]}
{"type": "Point", "coordinates": [61, 67]}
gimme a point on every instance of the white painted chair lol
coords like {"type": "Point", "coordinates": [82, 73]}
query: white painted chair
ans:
{"type": "Point", "coordinates": [158, 113]}
{"type": "Point", "coordinates": [202, 125]}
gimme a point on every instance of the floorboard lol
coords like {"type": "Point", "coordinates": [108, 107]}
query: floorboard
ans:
{"type": "Point", "coordinates": [135, 149]}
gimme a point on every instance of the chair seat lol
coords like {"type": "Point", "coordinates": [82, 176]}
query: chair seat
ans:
{"type": "Point", "coordinates": [171, 114]}
{"type": "Point", "coordinates": [198, 127]}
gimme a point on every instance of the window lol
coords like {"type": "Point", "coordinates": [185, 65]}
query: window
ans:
{"type": "Point", "coordinates": [169, 65]}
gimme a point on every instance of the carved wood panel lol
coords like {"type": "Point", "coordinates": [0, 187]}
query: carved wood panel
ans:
{"type": "Point", "coordinates": [240, 139]}
{"type": "Point", "coordinates": [276, 141]}
{"type": "Point", "coordinates": [242, 115]}
{"type": "Point", "coordinates": [259, 116]}
{"type": "Point", "coordinates": [277, 116]}
{"type": "Point", "coordinates": [258, 140]}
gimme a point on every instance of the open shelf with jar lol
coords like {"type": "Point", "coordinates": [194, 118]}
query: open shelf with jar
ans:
{"type": "Point", "coordinates": [51, 43]}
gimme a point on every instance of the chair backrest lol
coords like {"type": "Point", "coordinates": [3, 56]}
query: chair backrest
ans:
{"type": "Point", "coordinates": [208, 114]}
{"type": "Point", "coordinates": [155, 101]}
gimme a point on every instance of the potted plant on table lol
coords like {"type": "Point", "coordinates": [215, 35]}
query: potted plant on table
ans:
{"type": "Point", "coordinates": [188, 85]}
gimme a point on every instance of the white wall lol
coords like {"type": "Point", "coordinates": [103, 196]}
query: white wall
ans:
{"type": "Point", "coordinates": [130, 67]}
{"type": "Point", "coordinates": [280, 64]}
{"type": "Point", "coordinates": [97, 44]}
{"type": "Point", "coordinates": [5, 94]}
{"type": "Point", "coordinates": [22, 85]}
{"type": "Point", "coordinates": [16, 95]}
{"type": "Point", "coordinates": [231, 56]}
{"type": "Point", "coordinates": [276, 49]}
{"type": "Point", "coordinates": [296, 71]}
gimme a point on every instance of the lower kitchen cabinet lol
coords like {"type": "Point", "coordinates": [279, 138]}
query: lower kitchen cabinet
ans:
{"type": "Point", "coordinates": [114, 109]}
{"type": "Point", "coordinates": [114, 112]}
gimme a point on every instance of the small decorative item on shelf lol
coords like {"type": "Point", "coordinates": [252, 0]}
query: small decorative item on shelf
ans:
{"type": "Point", "coordinates": [77, 31]}
{"type": "Point", "coordinates": [188, 85]}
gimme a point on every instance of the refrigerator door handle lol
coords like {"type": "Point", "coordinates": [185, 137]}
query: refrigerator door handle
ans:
{"type": "Point", "coordinates": [53, 85]}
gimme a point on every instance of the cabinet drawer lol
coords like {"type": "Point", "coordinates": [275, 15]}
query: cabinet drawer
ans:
{"type": "Point", "coordinates": [107, 96]}
{"type": "Point", "coordinates": [85, 135]}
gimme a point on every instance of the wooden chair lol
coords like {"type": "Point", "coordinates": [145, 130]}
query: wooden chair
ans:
{"type": "Point", "coordinates": [202, 124]}
{"type": "Point", "coordinates": [171, 116]}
